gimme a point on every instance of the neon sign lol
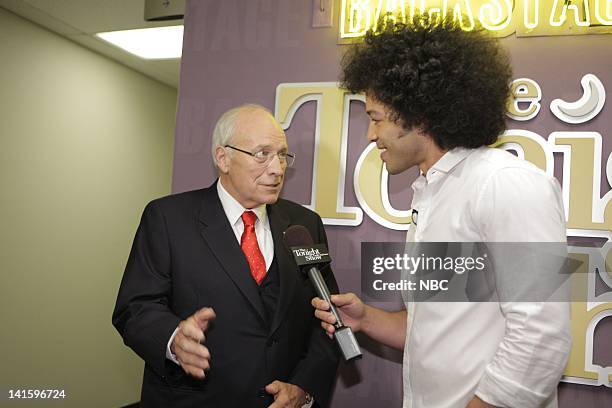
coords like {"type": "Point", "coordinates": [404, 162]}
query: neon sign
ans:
{"type": "Point", "coordinates": [500, 17]}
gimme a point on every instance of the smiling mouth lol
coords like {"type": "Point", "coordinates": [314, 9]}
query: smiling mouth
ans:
{"type": "Point", "coordinates": [275, 185]}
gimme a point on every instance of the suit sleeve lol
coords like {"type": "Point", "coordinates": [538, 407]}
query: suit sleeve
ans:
{"type": "Point", "coordinates": [316, 372]}
{"type": "Point", "coordinates": [142, 315]}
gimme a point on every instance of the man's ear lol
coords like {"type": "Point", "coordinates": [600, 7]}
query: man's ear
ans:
{"type": "Point", "coordinates": [223, 159]}
{"type": "Point", "coordinates": [420, 129]}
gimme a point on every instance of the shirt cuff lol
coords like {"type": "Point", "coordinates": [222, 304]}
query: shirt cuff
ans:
{"type": "Point", "coordinates": [169, 355]}
{"type": "Point", "coordinates": [500, 391]}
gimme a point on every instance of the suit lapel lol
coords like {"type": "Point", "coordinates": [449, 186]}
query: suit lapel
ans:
{"type": "Point", "coordinates": [218, 234]}
{"type": "Point", "coordinates": [287, 268]}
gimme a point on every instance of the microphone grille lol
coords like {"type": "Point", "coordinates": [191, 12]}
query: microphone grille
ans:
{"type": "Point", "coordinates": [297, 235]}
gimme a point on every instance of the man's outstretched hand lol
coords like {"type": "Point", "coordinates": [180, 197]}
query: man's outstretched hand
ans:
{"type": "Point", "coordinates": [188, 343]}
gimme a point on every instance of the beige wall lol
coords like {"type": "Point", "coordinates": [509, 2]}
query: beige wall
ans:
{"type": "Point", "coordinates": [84, 144]}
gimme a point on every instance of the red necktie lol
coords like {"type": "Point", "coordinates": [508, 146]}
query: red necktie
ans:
{"type": "Point", "coordinates": [250, 247]}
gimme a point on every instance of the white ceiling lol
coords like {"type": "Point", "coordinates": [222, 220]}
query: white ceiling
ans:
{"type": "Point", "coordinates": [79, 20]}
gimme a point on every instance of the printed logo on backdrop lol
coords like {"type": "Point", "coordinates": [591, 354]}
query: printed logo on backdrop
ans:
{"type": "Point", "coordinates": [588, 214]}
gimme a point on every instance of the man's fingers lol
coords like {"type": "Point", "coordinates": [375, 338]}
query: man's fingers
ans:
{"type": "Point", "coordinates": [279, 403]}
{"type": "Point", "coordinates": [343, 299]}
{"type": "Point", "coordinates": [195, 361]}
{"type": "Point", "coordinates": [273, 387]}
{"type": "Point", "coordinates": [327, 319]}
{"type": "Point", "coordinates": [194, 358]}
{"type": "Point", "coordinates": [280, 400]}
{"type": "Point", "coordinates": [325, 316]}
{"type": "Point", "coordinates": [285, 394]}
{"type": "Point", "coordinates": [191, 330]}
{"type": "Point", "coordinates": [319, 304]}
{"type": "Point", "coordinates": [195, 326]}
{"type": "Point", "coordinates": [189, 346]}
{"type": "Point", "coordinates": [329, 328]}
{"type": "Point", "coordinates": [203, 316]}
{"type": "Point", "coordinates": [194, 371]}
{"type": "Point", "coordinates": [338, 300]}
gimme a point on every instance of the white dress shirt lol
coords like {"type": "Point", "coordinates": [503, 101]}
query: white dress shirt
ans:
{"type": "Point", "coordinates": [508, 354]}
{"type": "Point", "coordinates": [233, 211]}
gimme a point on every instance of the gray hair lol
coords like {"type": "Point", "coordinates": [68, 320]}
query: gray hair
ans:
{"type": "Point", "coordinates": [226, 126]}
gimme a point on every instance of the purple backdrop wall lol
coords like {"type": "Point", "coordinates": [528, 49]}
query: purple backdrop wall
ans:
{"type": "Point", "coordinates": [238, 51]}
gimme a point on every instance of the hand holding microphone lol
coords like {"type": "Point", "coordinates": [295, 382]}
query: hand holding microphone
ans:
{"type": "Point", "coordinates": [350, 308]}
{"type": "Point", "coordinates": [308, 257]}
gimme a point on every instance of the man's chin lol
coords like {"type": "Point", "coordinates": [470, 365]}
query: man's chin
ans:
{"type": "Point", "coordinates": [393, 170]}
{"type": "Point", "coordinates": [271, 197]}
{"type": "Point", "coordinates": [397, 168]}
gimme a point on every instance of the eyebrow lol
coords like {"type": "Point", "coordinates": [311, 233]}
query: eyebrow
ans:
{"type": "Point", "coordinates": [267, 146]}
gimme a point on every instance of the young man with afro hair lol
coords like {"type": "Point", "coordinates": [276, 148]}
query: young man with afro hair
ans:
{"type": "Point", "coordinates": [436, 97]}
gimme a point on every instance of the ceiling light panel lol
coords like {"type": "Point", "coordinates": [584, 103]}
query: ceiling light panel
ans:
{"type": "Point", "coordinates": [148, 43]}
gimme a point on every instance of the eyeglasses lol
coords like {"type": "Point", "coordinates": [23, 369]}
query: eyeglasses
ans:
{"type": "Point", "coordinates": [266, 156]}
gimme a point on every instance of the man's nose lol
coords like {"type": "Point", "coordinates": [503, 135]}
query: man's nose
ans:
{"type": "Point", "coordinates": [371, 135]}
{"type": "Point", "coordinates": [275, 166]}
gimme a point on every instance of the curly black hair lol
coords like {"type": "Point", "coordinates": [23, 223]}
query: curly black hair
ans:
{"type": "Point", "coordinates": [453, 83]}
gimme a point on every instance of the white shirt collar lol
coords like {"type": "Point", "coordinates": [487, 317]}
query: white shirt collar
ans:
{"type": "Point", "coordinates": [445, 164]}
{"type": "Point", "coordinates": [450, 159]}
{"type": "Point", "coordinates": [233, 209]}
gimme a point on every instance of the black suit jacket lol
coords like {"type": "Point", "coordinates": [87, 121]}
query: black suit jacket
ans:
{"type": "Point", "coordinates": [185, 256]}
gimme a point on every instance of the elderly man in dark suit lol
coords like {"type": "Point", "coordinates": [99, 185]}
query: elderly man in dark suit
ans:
{"type": "Point", "coordinates": [211, 298]}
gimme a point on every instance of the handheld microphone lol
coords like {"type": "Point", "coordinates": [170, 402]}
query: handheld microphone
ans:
{"type": "Point", "coordinates": [308, 256]}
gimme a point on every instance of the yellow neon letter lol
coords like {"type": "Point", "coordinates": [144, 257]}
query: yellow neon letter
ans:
{"type": "Point", "coordinates": [495, 16]}
{"type": "Point", "coordinates": [461, 11]}
{"type": "Point", "coordinates": [391, 10]}
{"type": "Point", "coordinates": [436, 9]}
{"type": "Point", "coordinates": [360, 17]}
{"type": "Point", "coordinates": [603, 11]}
{"type": "Point", "coordinates": [533, 23]}
{"type": "Point", "coordinates": [576, 8]}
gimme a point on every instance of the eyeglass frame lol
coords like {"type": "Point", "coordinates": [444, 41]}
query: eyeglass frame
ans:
{"type": "Point", "coordinates": [288, 160]}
